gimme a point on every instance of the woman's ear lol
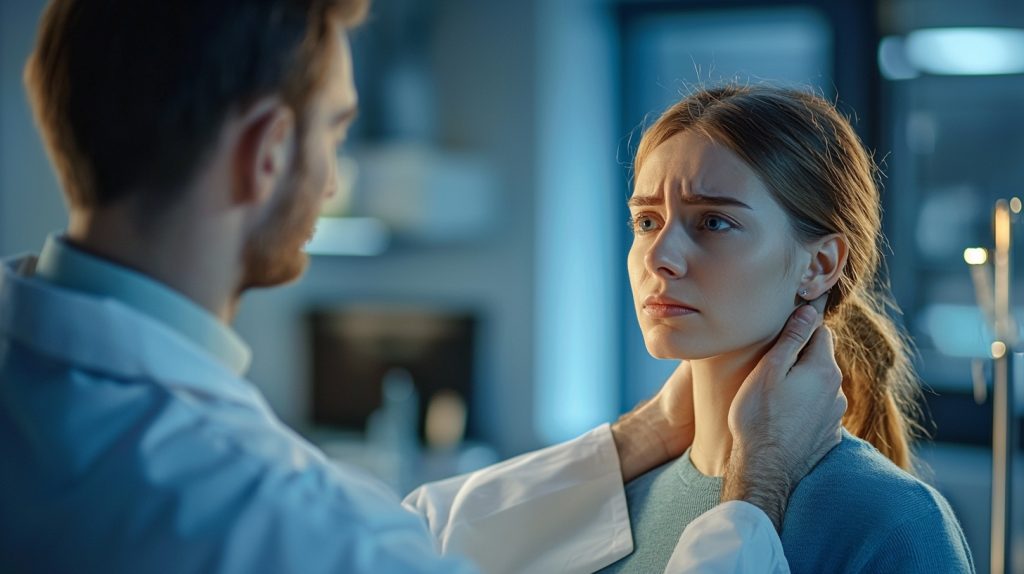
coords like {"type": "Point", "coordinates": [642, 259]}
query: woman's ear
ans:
{"type": "Point", "coordinates": [265, 151]}
{"type": "Point", "coordinates": [828, 260]}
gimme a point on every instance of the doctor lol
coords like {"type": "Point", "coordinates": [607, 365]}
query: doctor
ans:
{"type": "Point", "coordinates": [194, 141]}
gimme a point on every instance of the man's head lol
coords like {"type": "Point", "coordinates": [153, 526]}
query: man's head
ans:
{"type": "Point", "coordinates": [144, 104]}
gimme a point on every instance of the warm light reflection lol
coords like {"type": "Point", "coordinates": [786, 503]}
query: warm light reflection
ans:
{"type": "Point", "coordinates": [976, 255]}
{"type": "Point", "coordinates": [998, 349]}
{"type": "Point", "coordinates": [1001, 271]}
{"type": "Point", "coordinates": [1015, 205]}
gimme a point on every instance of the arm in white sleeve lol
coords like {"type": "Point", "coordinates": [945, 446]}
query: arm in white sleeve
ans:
{"type": "Point", "coordinates": [560, 509]}
{"type": "Point", "coordinates": [732, 538]}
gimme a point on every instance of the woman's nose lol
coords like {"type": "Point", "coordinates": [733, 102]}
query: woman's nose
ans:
{"type": "Point", "coordinates": [333, 178]}
{"type": "Point", "coordinates": [667, 254]}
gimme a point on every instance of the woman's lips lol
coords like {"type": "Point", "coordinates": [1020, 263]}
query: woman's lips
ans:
{"type": "Point", "coordinates": [664, 307]}
{"type": "Point", "coordinates": [664, 311]}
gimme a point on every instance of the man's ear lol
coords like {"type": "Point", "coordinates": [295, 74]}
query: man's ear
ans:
{"type": "Point", "coordinates": [828, 260]}
{"type": "Point", "coordinates": [266, 149]}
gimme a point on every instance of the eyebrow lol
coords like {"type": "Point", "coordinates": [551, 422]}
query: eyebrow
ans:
{"type": "Point", "coordinates": [688, 199]}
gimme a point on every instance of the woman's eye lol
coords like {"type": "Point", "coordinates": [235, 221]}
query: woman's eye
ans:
{"type": "Point", "coordinates": [716, 223]}
{"type": "Point", "coordinates": [644, 224]}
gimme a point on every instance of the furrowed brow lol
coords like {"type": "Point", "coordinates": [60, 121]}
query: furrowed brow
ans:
{"type": "Point", "coordinates": [696, 199]}
{"type": "Point", "coordinates": [688, 199]}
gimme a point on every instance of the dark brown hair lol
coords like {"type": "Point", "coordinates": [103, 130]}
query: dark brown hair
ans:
{"type": "Point", "coordinates": [811, 160]}
{"type": "Point", "coordinates": [131, 94]}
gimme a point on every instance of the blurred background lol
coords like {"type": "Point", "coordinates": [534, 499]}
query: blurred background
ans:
{"type": "Point", "coordinates": [467, 298]}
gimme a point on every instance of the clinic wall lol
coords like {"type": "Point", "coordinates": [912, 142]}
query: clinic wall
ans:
{"type": "Point", "coordinates": [580, 195]}
{"type": "Point", "coordinates": [30, 201]}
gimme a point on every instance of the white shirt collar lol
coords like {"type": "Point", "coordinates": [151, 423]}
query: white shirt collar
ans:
{"type": "Point", "coordinates": [65, 266]}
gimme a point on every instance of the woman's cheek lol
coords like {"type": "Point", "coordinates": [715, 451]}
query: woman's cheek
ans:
{"type": "Point", "coordinates": [758, 302]}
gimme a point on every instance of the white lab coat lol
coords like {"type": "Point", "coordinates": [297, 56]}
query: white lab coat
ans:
{"type": "Point", "coordinates": [126, 447]}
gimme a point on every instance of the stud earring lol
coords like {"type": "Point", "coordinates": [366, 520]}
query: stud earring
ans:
{"type": "Point", "coordinates": [803, 293]}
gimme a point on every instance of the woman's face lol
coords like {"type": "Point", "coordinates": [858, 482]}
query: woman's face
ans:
{"type": "Point", "coordinates": [714, 265]}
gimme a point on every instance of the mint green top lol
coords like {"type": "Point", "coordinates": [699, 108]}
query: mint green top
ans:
{"type": "Point", "coordinates": [63, 265]}
{"type": "Point", "coordinates": [854, 512]}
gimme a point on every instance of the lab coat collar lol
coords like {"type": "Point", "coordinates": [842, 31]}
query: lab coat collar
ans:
{"type": "Point", "coordinates": [106, 336]}
{"type": "Point", "coordinates": [64, 265]}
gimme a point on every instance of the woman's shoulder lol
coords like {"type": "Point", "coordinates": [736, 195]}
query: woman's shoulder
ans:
{"type": "Point", "coordinates": [864, 508]}
{"type": "Point", "coordinates": [855, 474]}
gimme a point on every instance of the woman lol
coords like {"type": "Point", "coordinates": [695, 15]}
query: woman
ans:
{"type": "Point", "coordinates": [747, 202]}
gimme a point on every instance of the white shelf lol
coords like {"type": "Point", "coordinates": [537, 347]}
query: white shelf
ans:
{"type": "Point", "coordinates": [349, 236]}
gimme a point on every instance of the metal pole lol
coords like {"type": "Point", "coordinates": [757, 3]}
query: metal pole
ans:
{"type": "Point", "coordinates": [1006, 368]}
{"type": "Point", "coordinates": [1004, 358]}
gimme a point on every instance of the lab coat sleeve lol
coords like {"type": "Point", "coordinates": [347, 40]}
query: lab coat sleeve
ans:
{"type": "Point", "coordinates": [560, 509]}
{"type": "Point", "coordinates": [732, 538]}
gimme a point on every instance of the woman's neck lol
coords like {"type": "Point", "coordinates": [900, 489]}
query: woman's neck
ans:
{"type": "Point", "coordinates": [716, 380]}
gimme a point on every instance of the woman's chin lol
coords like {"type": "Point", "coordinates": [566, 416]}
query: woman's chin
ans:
{"type": "Point", "coordinates": [669, 351]}
{"type": "Point", "coordinates": [675, 345]}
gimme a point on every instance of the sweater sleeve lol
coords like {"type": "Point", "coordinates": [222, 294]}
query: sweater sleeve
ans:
{"type": "Point", "coordinates": [929, 542]}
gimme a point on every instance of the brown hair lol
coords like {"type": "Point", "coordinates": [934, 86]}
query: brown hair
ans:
{"type": "Point", "coordinates": [816, 168]}
{"type": "Point", "coordinates": [130, 95]}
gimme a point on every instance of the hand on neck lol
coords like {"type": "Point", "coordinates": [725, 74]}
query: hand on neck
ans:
{"type": "Point", "coordinates": [716, 380]}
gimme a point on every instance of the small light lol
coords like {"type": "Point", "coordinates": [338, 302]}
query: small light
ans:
{"type": "Point", "coordinates": [1015, 204]}
{"type": "Point", "coordinates": [975, 255]}
{"type": "Point", "coordinates": [998, 349]}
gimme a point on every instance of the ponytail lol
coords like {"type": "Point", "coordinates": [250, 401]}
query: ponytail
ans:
{"type": "Point", "coordinates": [878, 379]}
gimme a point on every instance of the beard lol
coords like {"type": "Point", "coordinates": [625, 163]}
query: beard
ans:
{"type": "Point", "coordinates": [273, 253]}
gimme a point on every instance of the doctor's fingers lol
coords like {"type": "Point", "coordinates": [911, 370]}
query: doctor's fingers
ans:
{"type": "Point", "coordinates": [821, 347]}
{"type": "Point", "coordinates": [839, 406]}
{"type": "Point", "coordinates": [795, 335]}
{"type": "Point", "coordinates": [821, 376]}
{"type": "Point", "coordinates": [819, 355]}
{"type": "Point", "coordinates": [833, 423]}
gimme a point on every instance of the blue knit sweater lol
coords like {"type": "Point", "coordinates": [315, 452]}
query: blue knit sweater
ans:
{"type": "Point", "coordinates": [854, 512]}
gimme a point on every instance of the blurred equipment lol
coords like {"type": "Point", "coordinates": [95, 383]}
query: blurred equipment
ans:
{"type": "Point", "coordinates": [366, 358]}
{"type": "Point", "coordinates": [446, 420]}
{"type": "Point", "coordinates": [388, 381]}
{"type": "Point", "coordinates": [1007, 367]}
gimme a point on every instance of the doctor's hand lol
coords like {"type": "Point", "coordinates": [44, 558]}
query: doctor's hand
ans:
{"type": "Point", "coordinates": [659, 429]}
{"type": "Point", "coordinates": [786, 416]}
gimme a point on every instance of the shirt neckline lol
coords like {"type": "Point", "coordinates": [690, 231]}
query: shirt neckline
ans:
{"type": "Point", "coordinates": [64, 265]}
